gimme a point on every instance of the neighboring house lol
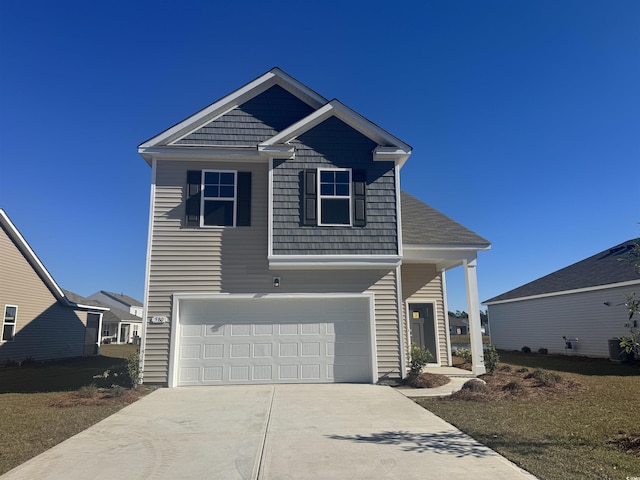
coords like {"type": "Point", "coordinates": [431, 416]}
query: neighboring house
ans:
{"type": "Point", "coordinates": [40, 321]}
{"type": "Point", "coordinates": [123, 322]}
{"type": "Point", "coordinates": [574, 310]}
{"type": "Point", "coordinates": [119, 300]}
{"type": "Point", "coordinates": [458, 325]}
{"type": "Point", "coordinates": [282, 250]}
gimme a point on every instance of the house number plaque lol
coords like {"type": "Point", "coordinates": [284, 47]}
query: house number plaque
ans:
{"type": "Point", "coordinates": [159, 319]}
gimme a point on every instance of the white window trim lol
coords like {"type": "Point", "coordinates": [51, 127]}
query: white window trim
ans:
{"type": "Point", "coordinates": [333, 197]}
{"type": "Point", "coordinates": [234, 200]}
{"type": "Point", "coordinates": [4, 322]}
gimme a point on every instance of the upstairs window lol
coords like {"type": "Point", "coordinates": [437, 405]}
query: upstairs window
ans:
{"type": "Point", "coordinates": [335, 197]}
{"type": "Point", "coordinates": [9, 323]}
{"type": "Point", "coordinates": [219, 198]}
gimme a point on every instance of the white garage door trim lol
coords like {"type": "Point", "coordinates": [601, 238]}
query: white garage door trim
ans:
{"type": "Point", "coordinates": [178, 298]}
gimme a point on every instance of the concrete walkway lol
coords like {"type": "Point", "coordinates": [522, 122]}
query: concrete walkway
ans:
{"type": "Point", "coordinates": [283, 432]}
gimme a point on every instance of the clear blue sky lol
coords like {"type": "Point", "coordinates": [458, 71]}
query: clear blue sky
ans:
{"type": "Point", "coordinates": [524, 116]}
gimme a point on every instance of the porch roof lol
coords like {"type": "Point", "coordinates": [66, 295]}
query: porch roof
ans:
{"type": "Point", "coordinates": [429, 236]}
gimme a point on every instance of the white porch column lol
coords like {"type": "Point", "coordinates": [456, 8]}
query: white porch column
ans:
{"type": "Point", "coordinates": [475, 332]}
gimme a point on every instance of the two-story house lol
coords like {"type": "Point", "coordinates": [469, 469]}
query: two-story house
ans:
{"type": "Point", "coordinates": [281, 248]}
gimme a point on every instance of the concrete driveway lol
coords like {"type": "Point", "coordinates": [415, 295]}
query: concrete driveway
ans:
{"type": "Point", "coordinates": [271, 432]}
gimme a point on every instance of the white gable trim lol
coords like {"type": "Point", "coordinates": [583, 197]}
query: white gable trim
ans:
{"type": "Point", "coordinates": [32, 258]}
{"type": "Point", "coordinates": [273, 77]}
{"type": "Point", "coordinates": [399, 152]}
{"type": "Point", "coordinates": [323, 262]}
{"type": "Point", "coordinates": [566, 292]}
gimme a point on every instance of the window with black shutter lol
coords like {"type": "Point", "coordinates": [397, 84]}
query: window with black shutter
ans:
{"type": "Point", "coordinates": [219, 198]}
{"type": "Point", "coordinates": [334, 197]}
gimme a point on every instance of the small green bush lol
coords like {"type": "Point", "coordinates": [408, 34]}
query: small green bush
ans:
{"type": "Point", "coordinates": [525, 349]}
{"type": "Point", "coordinates": [88, 391]}
{"type": "Point", "coordinates": [505, 368]}
{"type": "Point", "coordinates": [491, 358]}
{"type": "Point", "coordinates": [127, 375]}
{"type": "Point", "coordinates": [133, 369]}
{"type": "Point", "coordinates": [419, 358]}
{"type": "Point", "coordinates": [463, 353]}
{"type": "Point", "coordinates": [543, 351]}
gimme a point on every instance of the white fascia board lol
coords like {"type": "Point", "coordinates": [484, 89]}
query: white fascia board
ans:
{"type": "Point", "coordinates": [241, 95]}
{"type": "Point", "coordinates": [324, 262]}
{"type": "Point", "coordinates": [398, 153]}
{"type": "Point", "coordinates": [566, 292]}
{"type": "Point", "coordinates": [277, 151]}
{"type": "Point", "coordinates": [391, 154]}
{"type": "Point", "coordinates": [456, 254]}
{"type": "Point", "coordinates": [246, 154]}
{"type": "Point", "coordinates": [33, 259]}
{"type": "Point", "coordinates": [88, 307]}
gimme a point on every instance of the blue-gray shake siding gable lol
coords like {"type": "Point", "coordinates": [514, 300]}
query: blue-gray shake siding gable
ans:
{"type": "Point", "coordinates": [252, 122]}
{"type": "Point", "coordinates": [333, 143]}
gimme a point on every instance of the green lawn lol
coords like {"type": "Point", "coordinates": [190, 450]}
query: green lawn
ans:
{"type": "Point", "coordinates": [31, 424]}
{"type": "Point", "coordinates": [559, 436]}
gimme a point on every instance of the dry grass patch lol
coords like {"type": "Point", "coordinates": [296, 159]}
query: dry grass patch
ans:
{"type": "Point", "coordinates": [557, 417]}
{"type": "Point", "coordinates": [43, 404]}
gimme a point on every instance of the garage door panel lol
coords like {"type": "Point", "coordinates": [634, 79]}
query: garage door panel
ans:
{"type": "Point", "coordinates": [274, 341]}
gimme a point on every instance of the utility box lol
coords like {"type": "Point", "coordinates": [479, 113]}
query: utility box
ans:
{"type": "Point", "coordinates": [618, 353]}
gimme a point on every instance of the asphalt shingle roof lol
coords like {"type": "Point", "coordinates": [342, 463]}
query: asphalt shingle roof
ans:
{"type": "Point", "coordinates": [423, 225]}
{"type": "Point", "coordinates": [611, 266]}
{"type": "Point", "coordinates": [123, 298]}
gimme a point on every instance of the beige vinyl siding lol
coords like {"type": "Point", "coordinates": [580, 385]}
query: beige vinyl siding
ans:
{"type": "Point", "coordinates": [423, 283]}
{"type": "Point", "coordinates": [45, 329]}
{"type": "Point", "coordinates": [542, 322]}
{"type": "Point", "coordinates": [234, 260]}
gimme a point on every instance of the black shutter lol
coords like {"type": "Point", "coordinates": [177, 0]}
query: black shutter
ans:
{"type": "Point", "coordinates": [359, 181]}
{"type": "Point", "coordinates": [243, 198]}
{"type": "Point", "coordinates": [192, 205]}
{"type": "Point", "coordinates": [310, 198]}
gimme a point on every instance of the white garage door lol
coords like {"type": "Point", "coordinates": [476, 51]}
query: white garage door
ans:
{"type": "Point", "coordinates": [273, 340]}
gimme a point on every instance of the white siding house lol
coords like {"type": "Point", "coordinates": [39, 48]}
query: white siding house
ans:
{"type": "Point", "coordinates": [575, 310]}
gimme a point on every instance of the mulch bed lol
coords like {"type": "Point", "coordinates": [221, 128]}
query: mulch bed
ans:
{"type": "Point", "coordinates": [428, 380]}
{"type": "Point", "coordinates": [102, 397]}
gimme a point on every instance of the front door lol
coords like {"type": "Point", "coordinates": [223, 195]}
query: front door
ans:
{"type": "Point", "coordinates": [423, 328]}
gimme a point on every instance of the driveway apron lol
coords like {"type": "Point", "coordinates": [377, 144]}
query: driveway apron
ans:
{"type": "Point", "coordinates": [271, 432]}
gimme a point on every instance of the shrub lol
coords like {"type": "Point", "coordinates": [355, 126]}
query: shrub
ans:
{"type": "Point", "coordinates": [545, 377]}
{"type": "Point", "coordinates": [133, 369]}
{"type": "Point", "coordinates": [463, 353]}
{"type": "Point", "coordinates": [513, 386]}
{"type": "Point", "coordinates": [491, 358]}
{"type": "Point", "coordinates": [543, 351]}
{"type": "Point", "coordinates": [117, 391]}
{"type": "Point", "coordinates": [475, 385]}
{"type": "Point", "coordinates": [419, 358]}
{"type": "Point", "coordinates": [88, 391]}
{"type": "Point", "coordinates": [127, 375]}
{"type": "Point", "coordinates": [523, 370]}
{"type": "Point", "coordinates": [505, 368]}
{"type": "Point", "coordinates": [525, 349]}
